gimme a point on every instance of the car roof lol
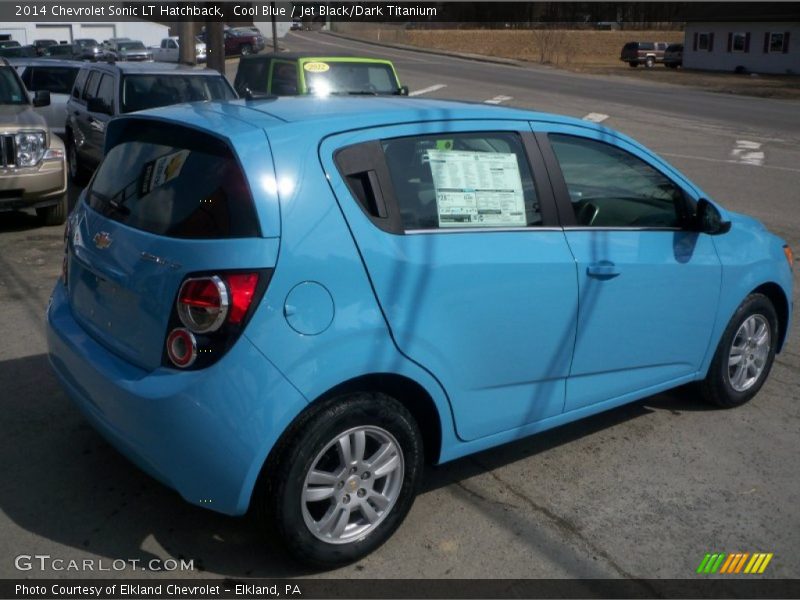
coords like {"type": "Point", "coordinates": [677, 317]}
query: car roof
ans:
{"type": "Point", "coordinates": [148, 68]}
{"type": "Point", "coordinates": [45, 62]}
{"type": "Point", "coordinates": [334, 114]}
{"type": "Point", "coordinates": [306, 55]}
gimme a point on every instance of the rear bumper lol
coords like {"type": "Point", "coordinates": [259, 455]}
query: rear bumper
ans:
{"type": "Point", "coordinates": [204, 433]}
{"type": "Point", "coordinates": [33, 187]}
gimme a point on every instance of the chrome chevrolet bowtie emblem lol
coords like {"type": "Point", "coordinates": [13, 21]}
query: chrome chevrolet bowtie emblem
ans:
{"type": "Point", "coordinates": [102, 240]}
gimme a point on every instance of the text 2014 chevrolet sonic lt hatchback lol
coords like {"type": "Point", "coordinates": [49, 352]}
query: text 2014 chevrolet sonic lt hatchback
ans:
{"type": "Point", "coordinates": [288, 305]}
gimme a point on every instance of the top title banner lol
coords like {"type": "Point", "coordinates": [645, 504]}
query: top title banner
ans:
{"type": "Point", "coordinates": [400, 11]}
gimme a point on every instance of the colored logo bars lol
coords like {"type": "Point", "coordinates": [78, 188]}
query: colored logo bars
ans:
{"type": "Point", "coordinates": [732, 564]}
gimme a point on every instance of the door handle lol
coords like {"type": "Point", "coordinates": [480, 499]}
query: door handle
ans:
{"type": "Point", "coordinates": [602, 270]}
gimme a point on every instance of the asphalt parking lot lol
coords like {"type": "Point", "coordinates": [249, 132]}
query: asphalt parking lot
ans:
{"type": "Point", "coordinates": [641, 491]}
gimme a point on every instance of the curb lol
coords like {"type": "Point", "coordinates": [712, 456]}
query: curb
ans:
{"type": "Point", "coordinates": [510, 62]}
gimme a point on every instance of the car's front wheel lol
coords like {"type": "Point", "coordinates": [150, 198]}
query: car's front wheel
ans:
{"type": "Point", "coordinates": [649, 62]}
{"type": "Point", "coordinates": [341, 484]}
{"type": "Point", "coordinates": [745, 354]}
{"type": "Point", "coordinates": [246, 50]}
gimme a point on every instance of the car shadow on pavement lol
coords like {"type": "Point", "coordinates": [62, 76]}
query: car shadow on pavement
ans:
{"type": "Point", "coordinates": [65, 484]}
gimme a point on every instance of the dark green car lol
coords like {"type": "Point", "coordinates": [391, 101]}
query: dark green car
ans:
{"type": "Point", "coordinates": [289, 74]}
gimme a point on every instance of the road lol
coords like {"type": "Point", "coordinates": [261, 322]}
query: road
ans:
{"type": "Point", "coordinates": [642, 491]}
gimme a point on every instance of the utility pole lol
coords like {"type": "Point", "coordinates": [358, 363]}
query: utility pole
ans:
{"type": "Point", "coordinates": [215, 46]}
{"type": "Point", "coordinates": [274, 29]}
{"type": "Point", "coordinates": [186, 51]}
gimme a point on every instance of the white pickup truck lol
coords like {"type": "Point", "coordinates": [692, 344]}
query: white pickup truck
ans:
{"type": "Point", "coordinates": [168, 51]}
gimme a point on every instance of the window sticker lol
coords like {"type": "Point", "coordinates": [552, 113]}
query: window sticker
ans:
{"type": "Point", "coordinates": [444, 144]}
{"type": "Point", "coordinates": [477, 189]}
{"type": "Point", "coordinates": [161, 170]}
{"type": "Point", "coordinates": [316, 67]}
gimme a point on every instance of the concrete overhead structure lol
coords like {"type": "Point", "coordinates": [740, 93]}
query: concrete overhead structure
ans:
{"type": "Point", "coordinates": [741, 39]}
{"type": "Point", "coordinates": [26, 32]}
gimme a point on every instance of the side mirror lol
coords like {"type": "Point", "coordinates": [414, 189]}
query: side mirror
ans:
{"type": "Point", "coordinates": [709, 220]}
{"type": "Point", "coordinates": [41, 98]}
{"type": "Point", "coordinates": [403, 91]}
{"type": "Point", "coordinates": [96, 105]}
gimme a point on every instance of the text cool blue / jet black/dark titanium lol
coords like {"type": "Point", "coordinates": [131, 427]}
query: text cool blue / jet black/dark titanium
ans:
{"type": "Point", "coordinates": [289, 305]}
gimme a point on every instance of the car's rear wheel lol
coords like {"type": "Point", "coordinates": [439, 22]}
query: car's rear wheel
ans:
{"type": "Point", "coordinates": [77, 172]}
{"type": "Point", "coordinates": [55, 214]}
{"type": "Point", "coordinates": [649, 62]}
{"type": "Point", "coordinates": [745, 354]}
{"type": "Point", "coordinates": [246, 50]}
{"type": "Point", "coordinates": [344, 480]}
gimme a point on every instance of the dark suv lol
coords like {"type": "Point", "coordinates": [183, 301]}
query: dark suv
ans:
{"type": "Point", "coordinates": [643, 53]}
{"type": "Point", "coordinates": [103, 91]}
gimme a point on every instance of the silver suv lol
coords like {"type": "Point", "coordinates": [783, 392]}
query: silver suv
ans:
{"type": "Point", "coordinates": [32, 166]}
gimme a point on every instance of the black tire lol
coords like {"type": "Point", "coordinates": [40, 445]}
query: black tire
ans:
{"type": "Point", "coordinates": [717, 387]}
{"type": "Point", "coordinates": [278, 504]}
{"type": "Point", "coordinates": [649, 62]}
{"type": "Point", "coordinates": [633, 64]}
{"type": "Point", "coordinates": [77, 171]}
{"type": "Point", "coordinates": [55, 214]}
{"type": "Point", "coordinates": [245, 50]}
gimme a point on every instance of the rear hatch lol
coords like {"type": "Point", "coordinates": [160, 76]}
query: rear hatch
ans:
{"type": "Point", "coordinates": [630, 51]}
{"type": "Point", "coordinates": [167, 202]}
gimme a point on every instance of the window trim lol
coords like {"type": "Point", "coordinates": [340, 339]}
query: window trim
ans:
{"type": "Point", "coordinates": [783, 42]}
{"type": "Point", "coordinates": [561, 191]}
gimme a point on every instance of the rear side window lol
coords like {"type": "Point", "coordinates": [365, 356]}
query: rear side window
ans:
{"type": "Point", "coordinates": [174, 182]}
{"type": "Point", "coordinates": [457, 180]}
{"type": "Point", "coordinates": [646, 46]}
{"type": "Point", "coordinates": [80, 82]}
{"type": "Point", "coordinates": [92, 85]}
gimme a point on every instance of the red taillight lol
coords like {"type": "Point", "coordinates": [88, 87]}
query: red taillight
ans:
{"type": "Point", "coordinates": [242, 287]}
{"type": "Point", "coordinates": [210, 314]}
{"type": "Point", "coordinates": [181, 347]}
{"type": "Point", "coordinates": [203, 304]}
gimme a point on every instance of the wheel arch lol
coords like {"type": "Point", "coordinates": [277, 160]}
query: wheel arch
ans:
{"type": "Point", "coordinates": [777, 296]}
{"type": "Point", "coordinates": [405, 390]}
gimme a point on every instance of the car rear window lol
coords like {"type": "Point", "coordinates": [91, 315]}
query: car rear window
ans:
{"type": "Point", "coordinates": [140, 92]}
{"type": "Point", "coordinates": [346, 77]}
{"type": "Point", "coordinates": [175, 182]}
{"type": "Point", "coordinates": [56, 80]}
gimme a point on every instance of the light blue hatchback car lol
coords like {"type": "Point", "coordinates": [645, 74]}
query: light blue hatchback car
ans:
{"type": "Point", "coordinates": [290, 305]}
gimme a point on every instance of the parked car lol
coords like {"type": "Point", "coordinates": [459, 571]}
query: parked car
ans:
{"type": "Point", "coordinates": [129, 50]}
{"type": "Point", "coordinates": [63, 51]}
{"type": "Point", "coordinates": [673, 56]}
{"type": "Point", "coordinates": [32, 167]}
{"type": "Point", "coordinates": [103, 91]}
{"type": "Point", "coordinates": [240, 41]}
{"type": "Point", "coordinates": [329, 292]}
{"type": "Point", "coordinates": [9, 44]}
{"type": "Point", "coordinates": [643, 53]}
{"type": "Point", "coordinates": [56, 77]}
{"type": "Point", "coordinates": [297, 25]}
{"type": "Point", "coordinates": [292, 74]}
{"type": "Point", "coordinates": [41, 45]}
{"type": "Point", "coordinates": [18, 52]}
{"type": "Point", "coordinates": [169, 50]}
{"type": "Point", "coordinates": [90, 49]}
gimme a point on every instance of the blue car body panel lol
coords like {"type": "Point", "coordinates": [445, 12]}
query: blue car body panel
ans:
{"type": "Point", "coordinates": [504, 331]}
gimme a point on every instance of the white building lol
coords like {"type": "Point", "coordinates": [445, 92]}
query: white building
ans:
{"type": "Point", "coordinates": [743, 37]}
{"type": "Point", "coordinates": [25, 33]}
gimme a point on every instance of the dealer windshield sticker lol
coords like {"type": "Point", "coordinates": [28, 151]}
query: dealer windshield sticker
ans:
{"type": "Point", "coordinates": [444, 144]}
{"type": "Point", "coordinates": [477, 189]}
{"type": "Point", "coordinates": [316, 67]}
{"type": "Point", "coordinates": [160, 171]}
